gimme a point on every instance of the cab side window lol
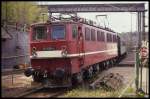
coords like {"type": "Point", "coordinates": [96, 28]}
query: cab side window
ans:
{"type": "Point", "coordinates": [87, 34]}
{"type": "Point", "coordinates": [92, 34]}
{"type": "Point", "coordinates": [74, 31]}
{"type": "Point", "coordinates": [109, 37]}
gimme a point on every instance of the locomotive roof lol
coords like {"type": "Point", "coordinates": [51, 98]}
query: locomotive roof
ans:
{"type": "Point", "coordinates": [41, 23]}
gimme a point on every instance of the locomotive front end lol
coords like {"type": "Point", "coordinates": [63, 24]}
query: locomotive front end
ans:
{"type": "Point", "coordinates": [48, 49]}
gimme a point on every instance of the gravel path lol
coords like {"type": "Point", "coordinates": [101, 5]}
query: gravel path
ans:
{"type": "Point", "coordinates": [126, 72]}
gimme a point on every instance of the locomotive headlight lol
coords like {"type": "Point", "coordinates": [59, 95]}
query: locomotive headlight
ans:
{"type": "Point", "coordinates": [34, 52]}
{"type": "Point", "coordinates": [64, 51]}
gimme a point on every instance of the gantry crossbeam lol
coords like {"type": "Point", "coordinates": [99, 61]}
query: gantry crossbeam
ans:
{"type": "Point", "coordinates": [69, 8]}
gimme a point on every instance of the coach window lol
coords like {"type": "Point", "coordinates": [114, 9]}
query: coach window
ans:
{"type": "Point", "coordinates": [74, 31]}
{"type": "Point", "coordinates": [114, 38]}
{"type": "Point", "coordinates": [92, 34]}
{"type": "Point", "coordinates": [87, 34]}
{"type": "Point", "coordinates": [98, 35]}
{"type": "Point", "coordinates": [102, 36]}
{"type": "Point", "coordinates": [39, 33]}
{"type": "Point", "coordinates": [111, 38]}
{"type": "Point", "coordinates": [108, 37]}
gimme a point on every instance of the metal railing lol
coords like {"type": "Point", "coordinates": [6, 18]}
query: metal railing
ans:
{"type": "Point", "coordinates": [15, 56]}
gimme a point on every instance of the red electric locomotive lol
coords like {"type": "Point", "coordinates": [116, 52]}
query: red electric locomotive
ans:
{"type": "Point", "coordinates": [65, 52]}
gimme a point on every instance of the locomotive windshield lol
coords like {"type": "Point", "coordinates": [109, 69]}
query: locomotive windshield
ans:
{"type": "Point", "coordinates": [39, 33]}
{"type": "Point", "coordinates": [58, 32]}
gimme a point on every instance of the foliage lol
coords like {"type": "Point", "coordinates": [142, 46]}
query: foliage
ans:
{"type": "Point", "coordinates": [85, 92]}
{"type": "Point", "coordinates": [22, 12]}
{"type": "Point", "coordinates": [130, 90]}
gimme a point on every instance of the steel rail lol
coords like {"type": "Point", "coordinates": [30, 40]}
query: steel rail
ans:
{"type": "Point", "coordinates": [30, 92]}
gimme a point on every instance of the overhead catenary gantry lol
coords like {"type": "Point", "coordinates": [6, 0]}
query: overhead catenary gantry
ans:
{"type": "Point", "coordinates": [112, 7]}
{"type": "Point", "coordinates": [122, 7]}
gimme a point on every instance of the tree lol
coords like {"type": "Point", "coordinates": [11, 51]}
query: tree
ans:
{"type": "Point", "coordinates": [44, 14]}
{"type": "Point", "coordinates": [21, 12]}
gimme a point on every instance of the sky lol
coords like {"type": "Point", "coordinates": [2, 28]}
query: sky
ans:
{"type": "Point", "coordinates": [118, 21]}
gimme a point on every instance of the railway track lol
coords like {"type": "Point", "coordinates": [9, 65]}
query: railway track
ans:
{"type": "Point", "coordinates": [28, 92]}
{"type": "Point", "coordinates": [48, 93]}
{"type": "Point", "coordinates": [12, 71]}
{"type": "Point", "coordinates": [43, 91]}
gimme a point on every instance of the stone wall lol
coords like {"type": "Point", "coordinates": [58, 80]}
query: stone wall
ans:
{"type": "Point", "coordinates": [14, 49]}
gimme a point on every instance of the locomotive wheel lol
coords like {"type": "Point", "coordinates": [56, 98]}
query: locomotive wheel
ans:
{"type": "Point", "coordinates": [109, 64]}
{"type": "Point", "coordinates": [97, 68]}
{"type": "Point", "coordinates": [86, 75]}
{"type": "Point", "coordinates": [80, 77]}
{"type": "Point", "coordinates": [36, 78]}
{"type": "Point", "coordinates": [104, 65]}
{"type": "Point", "coordinates": [77, 79]}
{"type": "Point", "coordinates": [100, 67]}
{"type": "Point", "coordinates": [90, 71]}
{"type": "Point", "coordinates": [113, 62]}
{"type": "Point", "coordinates": [74, 80]}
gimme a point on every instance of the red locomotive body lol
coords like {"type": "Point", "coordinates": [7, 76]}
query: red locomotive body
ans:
{"type": "Point", "coordinates": [69, 51]}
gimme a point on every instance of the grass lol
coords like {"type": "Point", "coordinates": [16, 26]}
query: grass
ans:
{"type": "Point", "coordinates": [85, 92]}
{"type": "Point", "coordinates": [130, 90]}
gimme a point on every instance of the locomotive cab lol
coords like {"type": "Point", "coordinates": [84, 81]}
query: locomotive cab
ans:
{"type": "Point", "coordinates": [49, 38]}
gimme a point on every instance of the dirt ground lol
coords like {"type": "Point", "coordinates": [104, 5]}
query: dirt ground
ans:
{"type": "Point", "coordinates": [19, 83]}
{"type": "Point", "coordinates": [126, 72]}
